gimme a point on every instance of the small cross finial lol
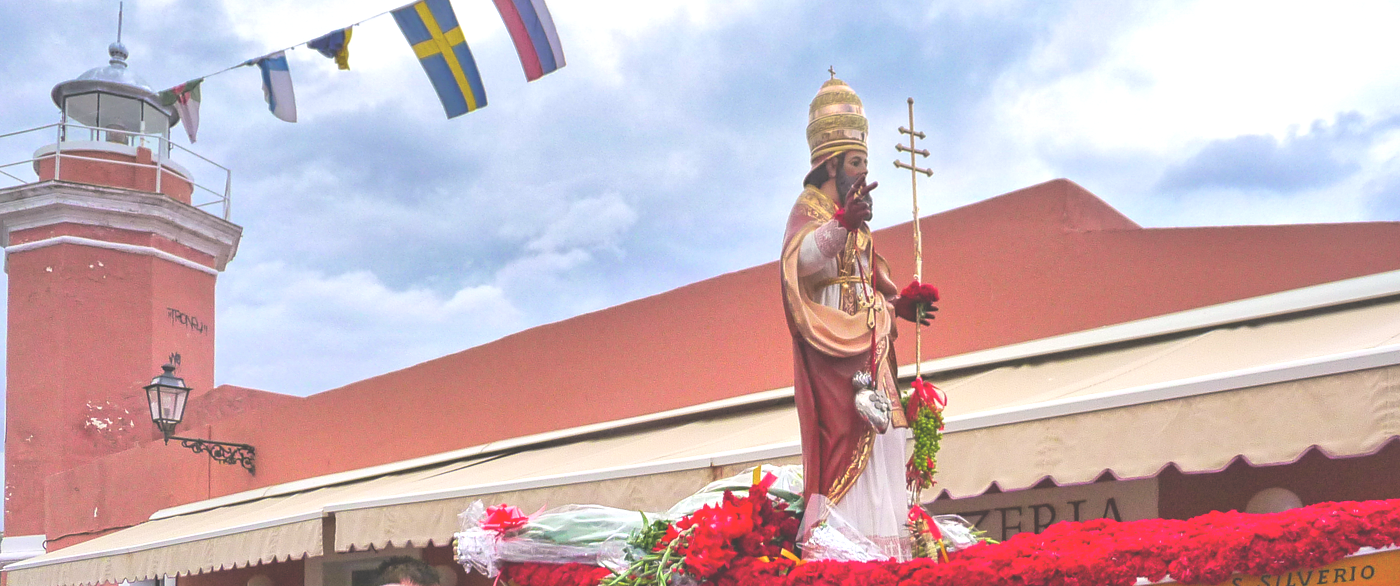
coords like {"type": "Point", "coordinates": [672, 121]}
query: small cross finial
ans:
{"type": "Point", "coordinates": [832, 71]}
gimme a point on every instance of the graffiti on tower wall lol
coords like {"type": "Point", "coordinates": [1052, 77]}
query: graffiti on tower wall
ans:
{"type": "Point", "coordinates": [187, 320]}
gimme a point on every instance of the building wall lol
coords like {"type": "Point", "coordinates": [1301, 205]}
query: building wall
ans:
{"type": "Point", "coordinates": [88, 327]}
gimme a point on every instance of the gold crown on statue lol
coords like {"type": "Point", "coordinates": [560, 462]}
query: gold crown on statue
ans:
{"type": "Point", "coordinates": [836, 121]}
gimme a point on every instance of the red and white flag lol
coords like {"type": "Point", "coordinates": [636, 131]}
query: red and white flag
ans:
{"type": "Point", "coordinates": [185, 99]}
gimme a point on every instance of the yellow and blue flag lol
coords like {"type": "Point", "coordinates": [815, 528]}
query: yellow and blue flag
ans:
{"type": "Point", "coordinates": [335, 45]}
{"type": "Point", "coordinates": [431, 28]}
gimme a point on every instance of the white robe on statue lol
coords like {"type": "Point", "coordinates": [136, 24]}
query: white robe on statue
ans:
{"type": "Point", "coordinates": [879, 501]}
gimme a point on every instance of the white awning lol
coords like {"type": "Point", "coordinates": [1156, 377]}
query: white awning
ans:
{"type": "Point", "coordinates": [254, 532]}
{"type": "Point", "coordinates": [1320, 379]}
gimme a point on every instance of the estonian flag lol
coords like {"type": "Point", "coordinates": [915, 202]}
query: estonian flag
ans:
{"type": "Point", "coordinates": [277, 86]}
{"type": "Point", "coordinates": [532, 30]}
{"type": "Point", "coordinates": [336, 46]}
{"type": "Point", "coordinates": [431, 29]}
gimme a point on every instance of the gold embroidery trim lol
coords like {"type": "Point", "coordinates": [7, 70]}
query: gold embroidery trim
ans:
{"type": "Point", "coordinates": [855, 299]}
{"type": "Point", "coordinates": [846, 280]}
{"type": "Point", "coordinates": [838, 122]}
{"type": "Point", "coordinates": [847, 480]}
{"type": "Point", "coordinates": [887, 385]}
{"type": "Point", "coordinates": [818, 207]}
{"type": "Point", "coordinates": [830, 98]}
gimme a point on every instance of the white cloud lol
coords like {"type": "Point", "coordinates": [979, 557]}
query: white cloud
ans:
{"type": "Point", "coordinates": [1208, 69]}
{"type": "Point", "coordinates": [540, 271]}
{"type": "Point", "coordinates": [300, 331]}
{"type": "Point", "coordinates": [595, 222]}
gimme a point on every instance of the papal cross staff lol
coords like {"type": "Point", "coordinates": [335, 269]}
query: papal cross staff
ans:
{"type": "Point", "coordinates": [914, 171]}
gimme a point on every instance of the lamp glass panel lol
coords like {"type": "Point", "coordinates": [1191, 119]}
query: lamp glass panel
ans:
{"type": "Point", "coordinates": [172, 403]}
{"type": "Point", "coordinates": [81, 108]}
{"type": "Point", "coordinates": [153, 399]}
{"type": "Point", "coordinates": [118, 114]}
{"type": "Point", "coordinates": [178, 413]}
{"type": "Point", "coordinates": [167, 404]}
{"type": "Point", "coordinates": [153, 121]}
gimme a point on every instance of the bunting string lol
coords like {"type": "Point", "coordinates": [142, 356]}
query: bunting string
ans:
{"type": "Point", "coordinates": [254, 60]}
{"type": "Point", "coordinates": [436, 38]}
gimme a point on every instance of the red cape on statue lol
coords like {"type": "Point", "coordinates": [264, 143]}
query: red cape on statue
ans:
{"type": "Point", "coordinates": [829, 347]}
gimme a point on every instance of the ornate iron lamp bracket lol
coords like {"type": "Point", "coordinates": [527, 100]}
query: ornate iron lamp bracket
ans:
{"type": "Point", "coordinates": [222, 452]}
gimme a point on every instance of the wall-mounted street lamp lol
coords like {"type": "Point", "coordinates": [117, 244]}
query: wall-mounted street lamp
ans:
{"type": "Point", "coordinates": [167, 394]}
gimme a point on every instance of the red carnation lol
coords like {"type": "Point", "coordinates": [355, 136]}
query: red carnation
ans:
{"type": "Point", "coordinates": [915, 302]}
{"type": "Point", "coordinates": [922, 292]}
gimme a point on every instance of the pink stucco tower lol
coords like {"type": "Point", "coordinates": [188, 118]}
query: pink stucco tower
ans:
{"type": "Point", "coordinates": [111, 273]}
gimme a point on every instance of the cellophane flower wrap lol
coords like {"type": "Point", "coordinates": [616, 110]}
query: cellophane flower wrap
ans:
{"type": "Point", "coordinates": [827, 536]}
{"type": "Point", "coordinates": [957, 533]}
{"type": "Point", "coordinates": [581, 534]}
{"type": "Point", "coordinates": [787, 486]}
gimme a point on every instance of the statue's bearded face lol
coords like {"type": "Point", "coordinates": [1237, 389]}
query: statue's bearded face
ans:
{"type": "Point", "coordinates": [849, 171]}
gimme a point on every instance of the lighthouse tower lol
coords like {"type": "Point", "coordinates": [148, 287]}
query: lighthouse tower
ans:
{"type": "Point", "coordinates": [112, 260]}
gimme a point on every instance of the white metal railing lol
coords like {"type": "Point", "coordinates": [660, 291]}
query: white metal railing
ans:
{"type": "Point", "coordinates": [26, 171]}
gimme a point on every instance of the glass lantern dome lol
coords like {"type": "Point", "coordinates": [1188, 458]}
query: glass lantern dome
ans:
{"type": "Point", "coordinates": [115, 105]}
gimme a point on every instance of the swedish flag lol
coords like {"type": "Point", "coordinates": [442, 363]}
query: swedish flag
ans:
{"type": "Point", "coordinates": [431, 28]}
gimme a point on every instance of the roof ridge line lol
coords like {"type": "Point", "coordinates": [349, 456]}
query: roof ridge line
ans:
{"type": "Point", "coordinates": [1311, 297]}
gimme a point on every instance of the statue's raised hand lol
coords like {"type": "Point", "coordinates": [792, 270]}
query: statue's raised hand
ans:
{"type": "Point", "coordinates": [858, 202]}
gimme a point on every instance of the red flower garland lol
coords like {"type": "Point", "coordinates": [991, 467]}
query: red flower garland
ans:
{"type": "Point", "coordinates": [1203, 550]}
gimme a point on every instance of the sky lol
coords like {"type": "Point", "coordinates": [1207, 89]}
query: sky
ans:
{"type": "Point", "coordinates": [379, 234]}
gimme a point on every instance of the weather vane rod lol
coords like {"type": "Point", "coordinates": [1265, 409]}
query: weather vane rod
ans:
{"type": "Point", "coordinates": [914, 171]}
{"type": "Point", "coordinates": [121, 7]}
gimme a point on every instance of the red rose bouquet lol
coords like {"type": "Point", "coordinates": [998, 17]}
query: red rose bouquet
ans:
{"type": "Point", "coordinates": [915, 302]}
